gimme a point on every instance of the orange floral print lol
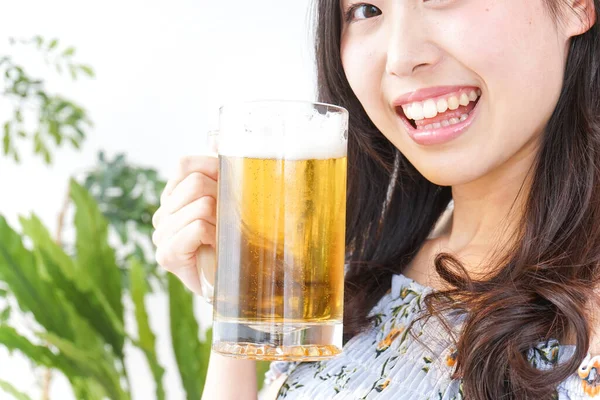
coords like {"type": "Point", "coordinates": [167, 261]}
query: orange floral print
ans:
{"type": "Point", "coordinates": [383, 362]}
{"type": "Point", "coordinates": [384, 344]}
{"type": "Point", "coordinates": [383, 385]}
{"type": "Point", "coordinates": [451, 358]}
{"type": "Point", "coordinates": [590, 377]}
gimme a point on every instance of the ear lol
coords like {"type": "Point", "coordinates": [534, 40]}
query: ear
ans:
{"type": "Point", "coordinates": [579, 17]}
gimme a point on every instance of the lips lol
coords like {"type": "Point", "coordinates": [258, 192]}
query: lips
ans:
{"type": "Point", "coordinates": [438, 114]}
{"type": "Point", "coordinates": [443, 134]}
{"type": "Point", "coordinates": [428, 93]}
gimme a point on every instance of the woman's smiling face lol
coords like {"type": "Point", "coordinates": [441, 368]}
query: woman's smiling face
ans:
{"type": "Point", "coordinates": [460, 87]}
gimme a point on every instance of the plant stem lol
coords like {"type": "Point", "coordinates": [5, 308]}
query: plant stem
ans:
{"type": "Point", "coordinates": [58, 238]}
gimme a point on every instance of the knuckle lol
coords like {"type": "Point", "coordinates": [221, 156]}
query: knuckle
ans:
{"type": "Point", "coordinates": [206, 207]}
{"type": "Point", "coordinates": [200, 227]}
{"type": "Point", "coordinates": [198, 182]}
{"type": "Point", "coordinates": [185, 164]}
{"type": "Point", "coordinates": [162, 258]}
{"type": "Point", "coordinates": [213, 164]}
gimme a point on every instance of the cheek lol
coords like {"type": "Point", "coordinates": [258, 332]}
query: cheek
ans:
{"type": "Point", "coordinates": [518, 57]}
{"type": "Point", "coordinates": [500, 37]}
{"type": "Point", "coordinates": [516, 53]}
{"type": "Point", "coordinates": [364, 67]}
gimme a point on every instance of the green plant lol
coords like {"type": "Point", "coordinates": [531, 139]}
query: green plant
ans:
{"type": "Point", "coordinates": [75, 306]}
{"type": "Point", "coordinates": [38, 115]}
{"type": "Point", "coordinates": [72, 293]}
{"type": "Point", "coordinates": [128, 196]}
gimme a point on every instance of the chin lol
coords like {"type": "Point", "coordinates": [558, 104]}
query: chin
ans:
{"type": "Point", "coordinates": [450, 175]}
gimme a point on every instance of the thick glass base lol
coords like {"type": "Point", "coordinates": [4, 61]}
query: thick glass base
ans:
{"type": "Point", "coordinates": [277, 341]}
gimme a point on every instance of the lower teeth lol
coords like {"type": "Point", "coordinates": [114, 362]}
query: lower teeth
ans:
{"type": "Point", "coordinates": [445, 123]}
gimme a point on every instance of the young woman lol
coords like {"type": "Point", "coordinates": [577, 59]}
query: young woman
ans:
{"type": "Point", "coordinates": [473, 229]}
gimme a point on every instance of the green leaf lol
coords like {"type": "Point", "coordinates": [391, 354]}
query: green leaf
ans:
{"type": "Point", "coordinates": [53, 44]}
{"type": "Point", "coordinates": [91, 363]}
{"type": "Point", "coordinates": [6, 138]}
{"type": "Point", "coordinates": [80, 133]}
{"type": "Point", "coordinates": [10, 389]}
{"type": "Point", "coordinates": [261, 369]}
{"type": "Point", "coordinates": [73, 71]}
{"type": "Point", "coordinates": [37, 143]}
{"type": "Point", "coordinates": [5, 315]}
{"type": "Point", "coordinates": [74, 142]}
{"type": "Point", "coordinates": [187, 347]}
{"type": "Point", "coordinates": [3, 293]}
{"type": "Point", "coordinates": [87, 389]}
{"type": "Point", "coordinates": [95, 257]}
{"type": "Point", "coordinates": [86, 69]}
{"type": "Point", "coordinates": [53, 129]}
{"type": "Point", "coordinates": [47, 156]}
{"type": "Point", "coordinates": [39, 41]}
{"type": "Point", "coordinates": [29, 283]}
{"type": "Point", "coordinates": [75, 284]}
{"type": "Point", "coordinates": [62, 104]}
{"type": "Point", "coordinates": [13, 341]}
{"type": "Point", "coordinates": [69, 51]}
{"type": "Point", "coordinates": [147, 339]}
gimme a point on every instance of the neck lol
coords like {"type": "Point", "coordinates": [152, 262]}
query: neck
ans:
{"type": "Point", "coordinates": [487, 212]}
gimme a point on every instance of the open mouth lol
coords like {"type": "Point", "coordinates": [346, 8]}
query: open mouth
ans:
{"type": "Point", "coordinates": [440, 112]}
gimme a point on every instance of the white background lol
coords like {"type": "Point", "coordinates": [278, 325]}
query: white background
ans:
{"type": "Point", "coordinates": [163, 68]}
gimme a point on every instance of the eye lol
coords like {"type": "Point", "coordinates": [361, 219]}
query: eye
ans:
{"type": "Point", "coordinates": [361, 11]}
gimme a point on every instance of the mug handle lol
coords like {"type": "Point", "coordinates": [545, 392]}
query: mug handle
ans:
{"type": "Point", "coordinates": [206, 263]}
{"type": "Point", "coordinates": [206, 260]}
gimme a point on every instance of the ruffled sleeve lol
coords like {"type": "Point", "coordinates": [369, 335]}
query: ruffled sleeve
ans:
{"type": "Point", "coordinates": [277, 369]}
{"type": "Point", "coordinates": [582, 385]}
{"type": "Point", "coordinates": [585, 384]}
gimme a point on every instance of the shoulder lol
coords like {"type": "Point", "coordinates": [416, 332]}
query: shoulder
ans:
{"type": "Point", "coordinates": [586, 383]}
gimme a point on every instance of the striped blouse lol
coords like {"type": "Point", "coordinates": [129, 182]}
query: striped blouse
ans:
{"type": "Point", "coordinates": [386, 362]}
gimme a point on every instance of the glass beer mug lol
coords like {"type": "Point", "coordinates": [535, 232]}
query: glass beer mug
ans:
{"type": "Point", "coordinates": [278, 290]}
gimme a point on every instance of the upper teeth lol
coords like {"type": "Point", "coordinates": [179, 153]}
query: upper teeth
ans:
{"type": "Point", "coordinates": [430, 108]}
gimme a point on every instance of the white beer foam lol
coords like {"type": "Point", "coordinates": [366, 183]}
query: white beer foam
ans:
{"type": "Point", "coordinates": [283, 135]}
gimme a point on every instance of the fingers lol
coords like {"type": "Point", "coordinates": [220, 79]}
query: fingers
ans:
{"type": "Point", "coordinates": [179, 250]}
{"type": "Point", "coordinates": [206, 165]}
{"type": "Point", "coordinates": [182, 190]}
{"type": "Point", "coordinates": [189, 276]}
{"type": "Point", "coordinates": [194, 186]}
{"type": "Point", "coordinates": [203, 209]}
{"type": "Point", "coordinates": [186, 218]}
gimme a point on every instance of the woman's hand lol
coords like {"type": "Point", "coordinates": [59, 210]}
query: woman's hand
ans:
{"type": "Point", "coordinates": [186, 218]}
{"type": "Point", "coordinates": [185, 231]}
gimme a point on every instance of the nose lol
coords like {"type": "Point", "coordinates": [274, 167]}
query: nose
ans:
{"type": "Point", "coordinates": [410, 48]}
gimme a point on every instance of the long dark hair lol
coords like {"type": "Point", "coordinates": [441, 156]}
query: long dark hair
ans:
{"type": "Point", "coordinates": [543, 287]}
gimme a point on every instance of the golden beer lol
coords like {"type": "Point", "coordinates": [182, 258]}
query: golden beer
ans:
{"type": "Point", "coordinates": [281, 217]}
{"type": "Point", "coordinates": [284, 223]}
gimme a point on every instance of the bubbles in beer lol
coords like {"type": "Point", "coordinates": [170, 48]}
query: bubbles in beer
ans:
{"type": "Point", "coordinates": [284, 225]}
